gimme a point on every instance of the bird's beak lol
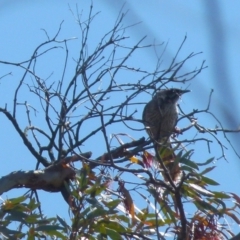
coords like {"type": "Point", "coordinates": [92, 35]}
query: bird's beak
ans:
{"type": "Point", "coordinates": [184, 91]}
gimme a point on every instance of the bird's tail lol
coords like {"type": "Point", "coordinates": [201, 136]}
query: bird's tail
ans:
{"type": "Point", "coordinates": [167, 157]}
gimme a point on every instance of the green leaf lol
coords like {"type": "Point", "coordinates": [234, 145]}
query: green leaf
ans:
{"type": "Point", "coordinates": [123, 218]}
{"type": "Point", "coordinates": [221, 195]}
{"type": "Point", "coordinates": [184, 159]}
{"type": "Point", "coordinates": [190, 192]}
{"type": "Point", "coordinates": [56, 234]}
{"type": "Point", "coordinates": [16, 216]}
{"type": "Point", "coordinates": [189, 163]}
{"type": "Point", "coordinates": [62, 222]}
{"type": "Point", "coordinates": [112, 204]}
{"type": "Point", "coordinates": [218, 201]}
{"type": "Point", "coordinates": [33, 218]}
{"type": "Point", "coordinates": [8, 232]}
{"type": "Point", "coordinates": [93, 201]}
{"type": "Point", "coordinates": [209, 181]}
{"type": "Point", "coordinates": [156, 196]}
{"type": "Point", "coordinates": [32, 205]}
{"type": "Point", "coordinates": [113, 225]}
{"type": "Point", "coordinates": [45, 221]}
{"type": "Point", "coordinates": [18, 199]}
{"type": "Point", "coordinates": [85, 212]}
{"type": "Point", "coordinates": [167, 211]}
{"type": "Point", "coordinates": [48, 228]}
{"type": "Point", "coordinates": [201, 190]}
{"type": "Point", "coordinates": [96, 213]}
{"type": "Point", "coordinates": [204, 206]}
{"type": "Point", "coordinates": [207, 170]}
{"type": "Point", "coordinates": [83, 176]}
{"type": "Point", "coordinates": [186, 155]}
{"type": "Point", "coordinates": [113, 234]}
{"type": "Point", "coordinates": [95, 190]}
{"type": "Point", "coordinates": [187, 169]}
{"type": "Point", "coordinates": [206, 162]}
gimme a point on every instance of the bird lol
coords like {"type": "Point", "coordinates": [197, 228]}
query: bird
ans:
{"type": "Point", "coordinates": [160, 118]}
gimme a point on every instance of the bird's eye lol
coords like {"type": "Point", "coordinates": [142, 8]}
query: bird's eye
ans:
{"type": "Point", "coordinates": [173, 92]}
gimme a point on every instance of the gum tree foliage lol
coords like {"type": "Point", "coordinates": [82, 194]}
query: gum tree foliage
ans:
{"type": "Point", "coordinates": [85, 146]}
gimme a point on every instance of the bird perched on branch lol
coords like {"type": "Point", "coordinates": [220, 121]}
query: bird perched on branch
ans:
{"type": "Point", "coordinates": [160, 118]}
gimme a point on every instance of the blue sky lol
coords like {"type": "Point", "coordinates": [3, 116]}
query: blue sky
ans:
{"type": "Point", "coordinates": [212, 27]}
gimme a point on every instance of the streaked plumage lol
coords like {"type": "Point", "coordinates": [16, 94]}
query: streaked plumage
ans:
{"type": "Point", "coordinates": [160, 117]}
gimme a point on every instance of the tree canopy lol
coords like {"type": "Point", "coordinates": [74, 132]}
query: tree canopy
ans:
{"type": "Point", "coordinates": [118, 192]}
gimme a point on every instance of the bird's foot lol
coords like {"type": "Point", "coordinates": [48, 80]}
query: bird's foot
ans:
{"type": "Point", "coordinates": [177, 131]}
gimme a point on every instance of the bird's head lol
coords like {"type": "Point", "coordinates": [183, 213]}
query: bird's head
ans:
{"type": "Point", "coordinates": [170, 96]}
